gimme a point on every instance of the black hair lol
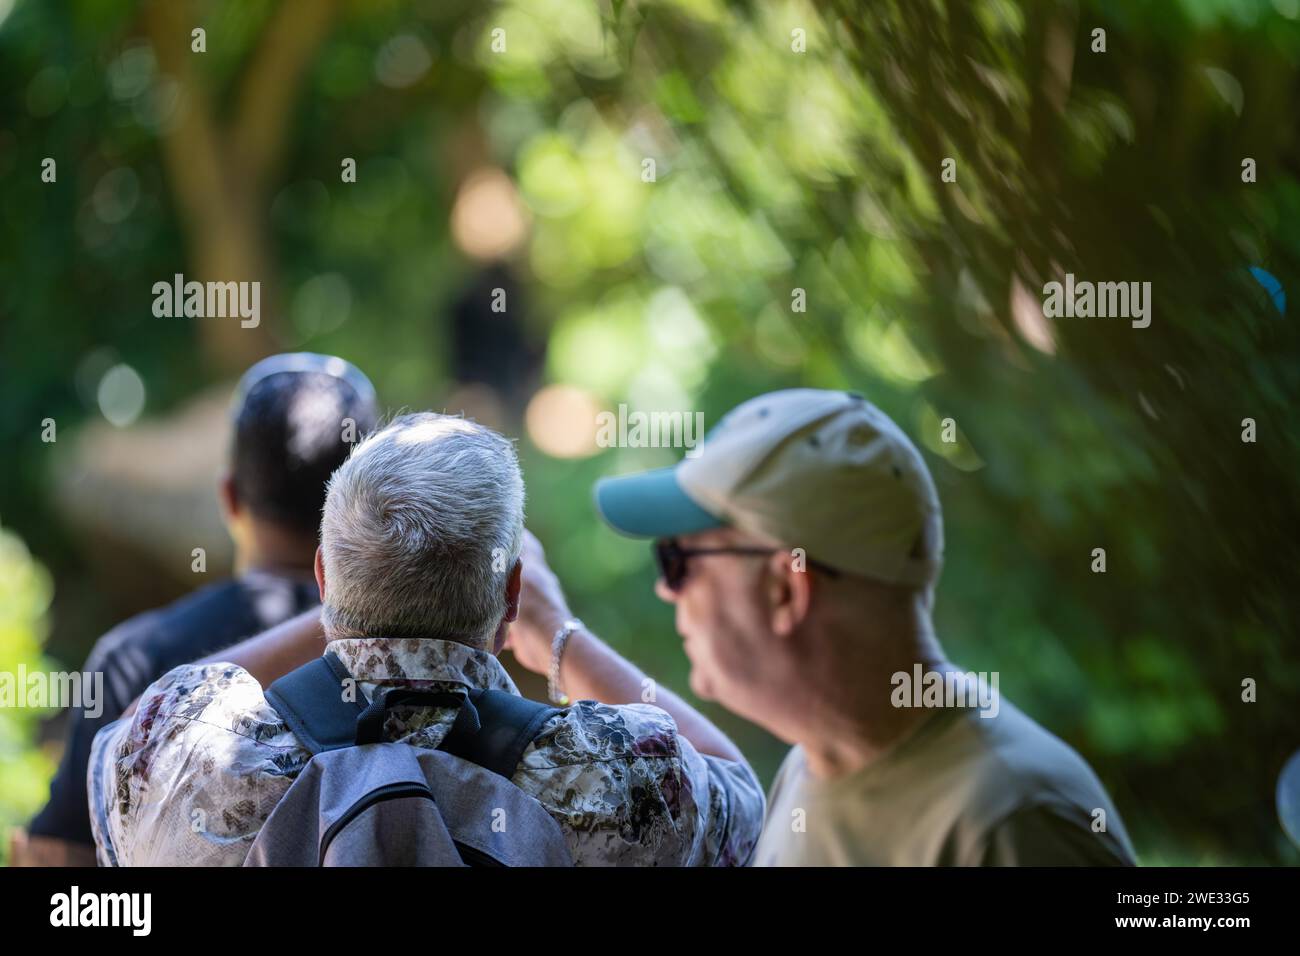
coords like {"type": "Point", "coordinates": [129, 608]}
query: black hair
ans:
{"type": "Point", "coordinates": [292, 431]}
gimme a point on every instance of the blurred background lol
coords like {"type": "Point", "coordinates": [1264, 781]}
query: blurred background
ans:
{"type": "Point", "coordinates": [795, 146]}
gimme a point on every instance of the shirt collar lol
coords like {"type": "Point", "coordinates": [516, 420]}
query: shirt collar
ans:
{"type": "Point", "coordinates": [382, 660]}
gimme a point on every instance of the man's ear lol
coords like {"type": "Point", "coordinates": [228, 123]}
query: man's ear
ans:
{"type": "Point", "coordinates": [320, 572]}
{"type": "Point", "coordinates": [789, 594]}
{"type": "Point", "coordinates": [513, 585]}
{"type": "Point", "coordinates": [228, 496]}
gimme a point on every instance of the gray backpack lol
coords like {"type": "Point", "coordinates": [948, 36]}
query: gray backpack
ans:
{"type": "Point", "coordinates": [362, 802]}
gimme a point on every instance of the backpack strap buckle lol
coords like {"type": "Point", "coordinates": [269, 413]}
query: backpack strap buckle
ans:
{"type": "Point", "coordinates": [370, 722]}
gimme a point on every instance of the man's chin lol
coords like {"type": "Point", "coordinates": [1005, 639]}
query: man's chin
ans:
{"type": "Point", "coordinates": [700, 687]}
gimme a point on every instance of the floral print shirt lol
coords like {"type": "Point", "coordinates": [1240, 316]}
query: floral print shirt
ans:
{"type": "Point", "coordinates": [191, 776]}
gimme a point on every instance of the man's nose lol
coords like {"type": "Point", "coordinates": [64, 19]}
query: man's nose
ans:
{"type": "Point", "coordinates": [665, 592]}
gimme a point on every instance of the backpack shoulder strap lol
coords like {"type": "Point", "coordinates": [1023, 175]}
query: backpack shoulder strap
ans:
{"type": "Point", "coordinates": [507, 725]}
{"type": "Point", "coordinates": [310, 700]}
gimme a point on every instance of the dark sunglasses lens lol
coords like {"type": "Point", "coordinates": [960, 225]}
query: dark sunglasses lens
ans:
{"type": "Point", "coordinates": [672, 564]}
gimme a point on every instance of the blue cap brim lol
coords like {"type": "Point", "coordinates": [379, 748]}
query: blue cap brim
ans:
{"type": "Point", "coordinates": [651, 505]}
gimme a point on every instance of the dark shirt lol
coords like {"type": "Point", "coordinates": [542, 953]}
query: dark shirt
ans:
{"type": "Point", "coordinates": [139, 651]}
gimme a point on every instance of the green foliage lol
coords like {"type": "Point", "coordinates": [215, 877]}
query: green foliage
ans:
{"type": "Point", "coordinates": [25, 593]}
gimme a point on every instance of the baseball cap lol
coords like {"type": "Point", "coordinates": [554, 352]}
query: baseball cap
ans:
{"type": "Point", "coordinates": [330, 365]}
{"type": "Point", "coordinates": [821, 470]}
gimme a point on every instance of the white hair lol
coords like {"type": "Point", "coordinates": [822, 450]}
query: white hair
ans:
{"type": "Point", "coordinates": [421, 527]}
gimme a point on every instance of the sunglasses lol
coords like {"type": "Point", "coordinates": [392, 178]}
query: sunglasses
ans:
{"type": "Point", "coordinates": [673, 559]}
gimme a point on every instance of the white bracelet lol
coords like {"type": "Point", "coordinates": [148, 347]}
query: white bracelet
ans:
{"type": "Point", "coordinates": [557, 648]}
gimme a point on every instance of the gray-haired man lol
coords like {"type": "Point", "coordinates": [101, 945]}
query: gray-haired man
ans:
{"type": "Point", "coordinates": [420, 575]}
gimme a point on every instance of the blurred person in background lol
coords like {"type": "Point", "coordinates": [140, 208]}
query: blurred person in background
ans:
{"type": "Point", "coordinates": [801, 550]}
{"type": "Point", "coordinates": [295, 418]}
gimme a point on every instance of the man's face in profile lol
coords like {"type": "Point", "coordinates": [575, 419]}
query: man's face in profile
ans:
{"type": "Point", "coordinates": [720, 615]}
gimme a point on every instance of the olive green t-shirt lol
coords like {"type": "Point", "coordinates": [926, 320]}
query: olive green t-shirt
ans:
{"type": "Point", "coordinates": [961, 790]}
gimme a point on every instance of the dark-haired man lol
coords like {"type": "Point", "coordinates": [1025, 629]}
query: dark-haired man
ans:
{"type": "Point", "coordinates": [294, 420]}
